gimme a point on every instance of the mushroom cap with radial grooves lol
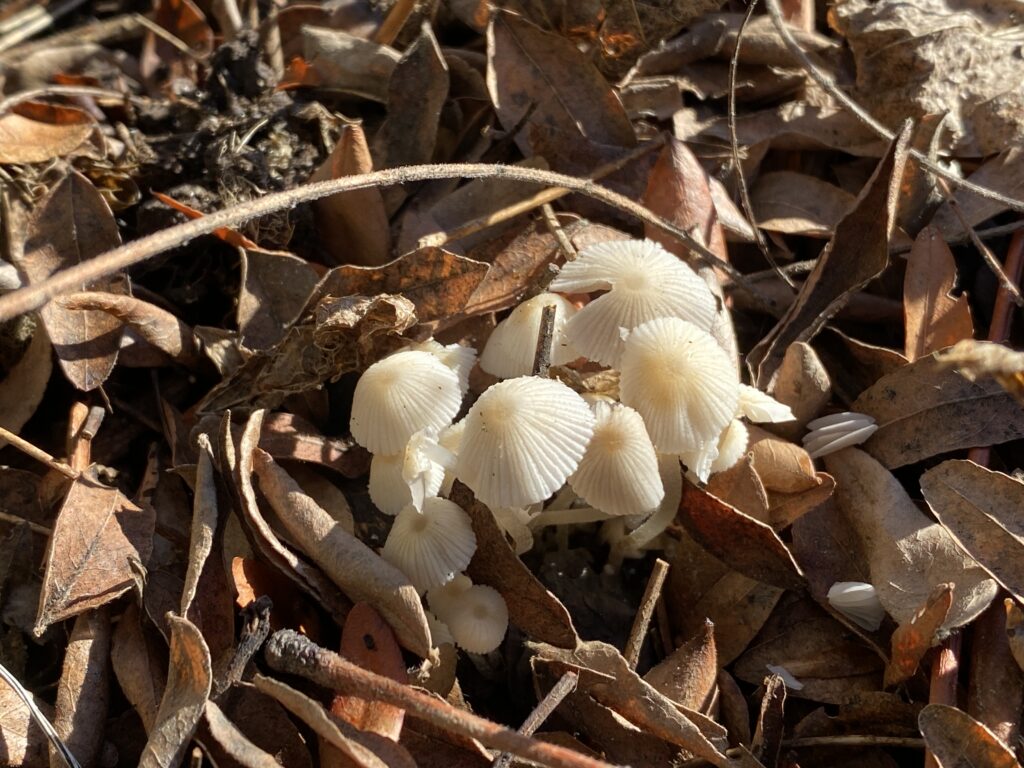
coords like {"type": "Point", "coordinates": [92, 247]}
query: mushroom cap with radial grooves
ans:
{"type": "Point", "coordinates": [858, 601]}
{"type": "Point", "coordinates": [731, 446]}
{"type": "Point", "coordinates": [644, 282]}
{"type": "Point", "coordinates": [682, 383]}
{"type": "Point", "coordinates": [512, 345]}
{"type": "Point", "coordinates": [400, 395]}
{"type": "Point", "coordinates": [432, 546]}
{"type": "Point", "coordinates": [523, 438]}
{"type": "Point", "coordinates": [619, 471]}
{"type": "Point", "coordinates": [479, 619]}
{"type": "Point", "coordinates": [459, 358]}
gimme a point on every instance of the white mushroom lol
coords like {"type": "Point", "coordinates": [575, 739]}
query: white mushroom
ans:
{"type": "Point", "coordinates": [432, 546]}
{"type": "Point", "coordinates": [512, 345]}
{"type": "Point", "coordinates": [837, 431]}
{"type": "Point", "coordinates": [523, 438]}
{"type": "Point", "coordinates": [619, 471]}
{"type": "Point", "coordinates": [731, 446]}
{"type": "Point", "coordinates": [682, 383]}
{"type": "Point", "coordinates": [644, 282]}
{"type": "Point", "coordinates": [759, 407]}
{"type": "Point", "coordinates": [858, 601]}
{"type": "Point", "coordinates": [476, 615]}
{"type": "Point", "coordinates": [457, 357]}
{"type": "Point", "coordinates": [411, 476]}
{"type": "Point", "coordinates": [400, 395]}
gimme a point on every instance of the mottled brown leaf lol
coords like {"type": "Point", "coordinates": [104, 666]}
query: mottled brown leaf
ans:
{"type": "Point", "coordinates": [959, 741]}
{"type": "Point", "coordinates": [934, 317]}
{"type": "Point", "coordinates": [189, 677]}
{"type": "Point", "coordinates": [857, 252]}
{"type": "Point", "coordinates": [99, 545]}
{"type": "Point", "coordinates": [688, 674]}
{"type": "Point", "coordinates": [741, 542]}
{"type": "Point", "coordinates": [71, 225]}
{"type": "Point", "coordinates": [533, 609]}
{"type": "Point", "coordinates": [275, 287]}
{"type": "Point", "coordinates": [981, 510]}
{"type": "Point", "coordinates": [924, 409]}
{"type": "Point", "coordinates": [912, 639]}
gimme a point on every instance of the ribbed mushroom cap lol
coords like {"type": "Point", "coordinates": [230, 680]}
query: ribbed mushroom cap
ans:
{"type": "Point", "coordinates": [759, 407]}
{"type": "Point", "coordinates": [457, 357]}
{"type": "Point", "coordinates": [442, 599]}
{"type": "Point", "coordinates": [644, 282]}
{"type": "Point", "coordinates": [400, 395]}
{"type": "Point", "coordinates": [731, 446]}
{"type": "Point", "coordinates": [858, 601]}
{"type": "Point", "coordinates": [479, 619]}
{"type": "Point", "coordinates": [411, 476]}
{"type": "Point", "coordinates": [837, 431]}
{"type": "Point", "coordinates": [512, 345]}
{"type": "Point", "coordinates": [430, 547]}
{"type": "Point", "coordinates": [619, 471]}
{"type": "Point", "coordinates": [682, 383]}
{"type": "Point", "coordinates": [522, 440]}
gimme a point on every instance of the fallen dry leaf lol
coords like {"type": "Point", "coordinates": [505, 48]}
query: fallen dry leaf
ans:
{"type": "Point", "coordinates": [275, 287]}
{"type": "Point", "coordinates": [767, 739]}
{"type": "Point", "coordinates": [232, 741]}
{"type": "Point", "coordinates": [204, 521]}
{"type": "Point", "coordinates": [959, 741]}
{"type": "Point", "coordinates": [38, 133]}
{"type": "Point", "coordinates": [22, 389]}
{"type": "Point", "coordinates": [804, 385]}
{"type": "Point", "coordinates": [140, 665]}
{"type": "Point", "coordinates": [913, 639]}
{"type": "Point", "coordinates": [24, 745]}
{"type": "Point", "coordinates": [251, 721]}
{"type": "Point", "coordinates": [924, 409]}
{"type": "Point", "coordinates": [980, 359]}
{"type": "Point", "coordinates": [934, 317]}
{"type": "Point", "coordinates": [97, 551]}
{"type": "Point", "coordinates": [798, 204]}
{"type": "Point", "coordinates": [71, 225]}
{"type": "Point", "coordinates": [348, 62]}
{"type": "Point", "coordinates": [908, 554]}
{"type": "Point", "coordinates": [688, 675]}
{"type": "Point", "coordinates": [83, 694]}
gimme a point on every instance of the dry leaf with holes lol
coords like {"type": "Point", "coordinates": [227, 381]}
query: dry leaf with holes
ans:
{"type": "Point", "coordinates": [934, 317]}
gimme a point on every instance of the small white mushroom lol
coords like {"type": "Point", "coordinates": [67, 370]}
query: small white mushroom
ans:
{"type": "Point", "coordinates": [682, 383]}
{"type": "Point", "coordinates": [644, 282]}
{"type": "Point", "coordinates": [619, 471]}
{"type": "Point", "coordinates": [759, 407]}
{"type": "Point", "coordinates": [400, 395]}
{"type": "Point", "coordinates": [411, 476]}
{"type": "Point", "coordinates": [523, 438]}
{"type": "Point", "coordinates": [476, 615]}
{"type": "Point", "coordinates": [512, 345]}
{"type": "Point", "coordinates": [432, 546]}
{"type": "Point", "coordinates": [857, 601]}
{"type": "Point", "coordinates": [457, 357]}
{"type": "Point", "coordinates": [837, 431]}
{"type": "Point", "coordinates": [450, 439]}
{"type": "Point", "coordinates": [731, 446]}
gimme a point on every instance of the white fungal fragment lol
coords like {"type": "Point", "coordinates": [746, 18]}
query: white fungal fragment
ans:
{"type": "Point", "coordinates": [457, 357]}
{"type": "Point", "coordinates": [787, 677]}
{"type": "Point", "coordinates": [731, 446]}
{"type": "Point", "coordinates": [837, 431]}
{"type": "Point", "coordinates": [512, 345]}
{"type": "Point", "coordinates": [644, 282]}
{"type": "Point", "coordinates": [760, 408]}
{"type": "Point", "coordinates": [858, 601]}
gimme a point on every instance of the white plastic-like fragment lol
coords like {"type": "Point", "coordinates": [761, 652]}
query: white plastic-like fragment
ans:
{"type": "Point", "coordinates": [858, 601]}
{"type": "Point", "coordinates": [731, 446]}
{"type": "Point", "coordinates": [644, 282]}
{"type": "Point", "coordinates": [682, 383]}
{"type": "Point", "coordinates": [479, 619]}
{"type": "Point", "coordinates": [400, 395]}
{"type": "Point", "coordinates": [457, 357]}
{"type": "Point", "coordinates": [787, 677]}
{"type": "Point", "coordinates": [512, 345]}
{"type": "Point", "coordinates": [523, 438]}
{"type": "Point", "coordinates": [837, 431]}
{"type": "Point", "coordinates": [431, 546]}
{"type": "Point", "coordinates": [759, 407]}
{"type": "Point", "coordinates": [619, 471]}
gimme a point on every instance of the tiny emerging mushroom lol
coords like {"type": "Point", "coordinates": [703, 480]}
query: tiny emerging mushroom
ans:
{"type": "Point", "coordinates": [858, 601]}
{"type": "Point", "coordinates": [400, 395]}
{"type": "Point", "coordinates": [432, 546]}
{"type": "Point", "coordinates": [476, 615]}
{"type": "Point", "coordinates": [510, 350]}
{"type": "Point", "coordinates": [644, 282]}
{"type": "Point", "coordinates": [837, 431]}
{"type": "Point", "coordinates": [619, 471]}
{"type": "Point", "coordinates": [759, 407]}
{"type": "Point", "coordinates": [683, 385]}
{"type": "Point", "coordinates": [522, 439]}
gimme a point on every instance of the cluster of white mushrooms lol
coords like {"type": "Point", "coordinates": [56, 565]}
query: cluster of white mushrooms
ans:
{"type": "Point", "coordinates": [528, 438]}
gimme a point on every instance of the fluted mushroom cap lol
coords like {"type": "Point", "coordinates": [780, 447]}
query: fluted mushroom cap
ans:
{"type": "Point", "coordinates": [400, 395]}
{"type": "Point", "coordinates": [523, 438]}
{"type": "Point", "coordinates": [858, 601]}
{"type": "Point", "coordinates": [759, 407]}
{"type": "Point", "coordinates": [479, 619]}
{"type": "Point", "coordinates": [432, 546]}
{"type": "Point", "coordinates": [457, 357]}
{"type": "Point", "coordinates": [682, 383]}
{"type": "Point", "coordinates": [619, 471]}
{"type": "Point", "coordinates": [512, 345]}
{"type": "Point", "coordinates": [644, 282]}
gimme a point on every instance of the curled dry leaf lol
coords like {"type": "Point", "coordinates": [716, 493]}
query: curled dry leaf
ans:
{"type": "Point", "coordinates": [925, 408]}
{"type": "Point", "coordinates": [140, 667]}
{"type": "Point", "coordinates": [908, 555]}
{"type": "Point", "coordinates": [959, 741]}
{"type": "Point", "coordinates": [253, 579]}
{"type": "Point", "coordinates": [980, 359]}
{"type": "Point", "coordinates": [83, 693]}
{"type": "Point", "coordinates": [233, 741]}
{"type": "Point", "coordinates": [798, 204]}
{"type": "Point", "coordinates": [783, 467]}
{"type": "Point", "coordinates": [32, 132]}
{"type": "Point", "coordinates": [981, 511]}
{"type": "Point", "coordinates": [804, 385]}
{"type": "Point", "coordinates": [912, 640]}
{"type": "Point", "coordinates": [97, 551]}
{"type": "Point", "coordinates": [934, 317]}
{"type": "Point", "coordinates": [359, 571]}
{"type": "Point", "coordinates": [253, 721]}
{"type": "Point", "coordinates": [741, 542]}
{"type": "Point", "coordinates": [688, 674]}
{"type": "Point", "coordinates": [349, 63]}
{"type": "Point", "coordinates": [533, 609]}
{"type": "Point", "coordinates": [71, 225]}
{"type": "Point", "coordinates": [189, 677]}
{"type": "Point", "coordinates": [275, 287]}
{"type": "Point", "coordinates": [287, 436]}
{"type": "Point", "coordinates": [204, 521]}
{"type": "Point", "coordinates": [23, 387]}
{"type": "Point", "coordinates": [24, 745]}
{"type": "Point", "coordinates": [857, 252]}
{"type": "Point", "coordinates": [767, 740]}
